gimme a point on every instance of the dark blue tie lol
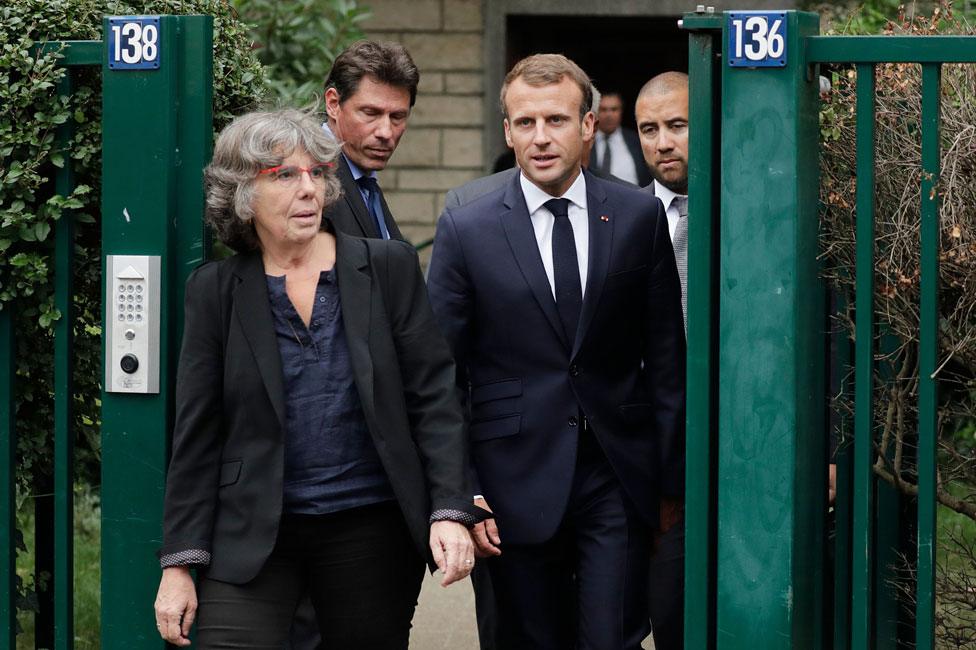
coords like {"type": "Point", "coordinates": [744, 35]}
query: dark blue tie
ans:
{"type": "Point", "coordinates": [369, 185]}
{"type": "Point", "coordinates": [565, 268]}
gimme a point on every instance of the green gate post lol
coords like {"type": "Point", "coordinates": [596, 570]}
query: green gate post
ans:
{"type": "Point", "coordinates": [771, 449]}
{"type": "Point", "coordinates": [154, 147]}
{"type": "Point", "coordinates": [704, 164]}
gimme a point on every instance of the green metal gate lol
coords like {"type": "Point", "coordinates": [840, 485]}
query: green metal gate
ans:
{"type": "Point", "coordinates": [156, 139]}
{"type": "Point", "coordinates": [757, 448]}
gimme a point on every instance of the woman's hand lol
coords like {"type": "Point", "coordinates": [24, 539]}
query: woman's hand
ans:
{"type": "Point", "coordinates": [176, 605]}
{"type": "Point", "coordinates": [453, 550]}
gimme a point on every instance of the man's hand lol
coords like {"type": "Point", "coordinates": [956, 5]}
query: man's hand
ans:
{"type": "Point", "coordinates": [176, 605]}
{"type": "Point", "coordinates": [832, 484]}
{"type": "Point", "coordinates": [671, 512]}
{"type": "Point", "coordinates": [485, 534]}
{"type": "Point", "coordinates": [453, 550]}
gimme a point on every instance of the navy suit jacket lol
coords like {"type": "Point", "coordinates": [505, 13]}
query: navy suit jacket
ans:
{"type": "Point", "coordinates": [349, 214]}
{"type": "Point", "coordinates": [526, 384]}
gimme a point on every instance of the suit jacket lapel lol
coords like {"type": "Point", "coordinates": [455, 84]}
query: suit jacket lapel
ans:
{"type": "Point", "coordinates": [253, 311]}
{"type": "Point", "coordinates": [355, 295]}
{"type": "Point", "coordinates": [521, 238]}
{"type": "Point", "coordinates": [601, 222]}
{"type": "Point", "coordinates": [354, 199]}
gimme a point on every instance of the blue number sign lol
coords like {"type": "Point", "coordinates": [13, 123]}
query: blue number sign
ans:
{"type": "Point", "coordinates": [133, 42]}
{"type": "Point", "coordinates": [757, 39]}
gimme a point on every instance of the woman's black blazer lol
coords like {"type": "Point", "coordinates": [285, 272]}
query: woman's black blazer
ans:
{"type": "Point", "coordinates": [224, 485]}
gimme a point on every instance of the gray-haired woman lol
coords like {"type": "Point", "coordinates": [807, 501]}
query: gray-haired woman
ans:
{"type": "Point", "coordinates": [318, 443]}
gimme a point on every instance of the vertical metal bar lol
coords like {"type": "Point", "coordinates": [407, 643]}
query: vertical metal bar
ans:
{"type": "Point", "coordinates": [841, 586]}
{"type": "Point", "coordinates": [702, 343]}
{"type": "Point", "coordinates": [928, 358]}
{"type": "Point", "coordinates": [196, 146]}
{"type": "Point", "coordinates": [8, 482]}
{"type": "Point", "coordinates": [863, 523]}
{"type": "Point", "coordinates": [64, 394]}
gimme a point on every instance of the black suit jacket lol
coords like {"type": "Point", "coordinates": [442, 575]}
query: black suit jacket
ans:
{"type": "Point", "coordinates": [224, 486]}
{"type": "Point", "coordinates": [349, 213]}
{"type": "Point", "coordinates": [526, 384]}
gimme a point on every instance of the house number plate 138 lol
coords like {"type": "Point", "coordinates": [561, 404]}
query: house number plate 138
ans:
{"type": "Point", "coordinates": [133, 43]}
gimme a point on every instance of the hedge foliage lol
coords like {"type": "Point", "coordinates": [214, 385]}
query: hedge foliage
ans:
{"type": "Point", "coordinates": [30, 209]}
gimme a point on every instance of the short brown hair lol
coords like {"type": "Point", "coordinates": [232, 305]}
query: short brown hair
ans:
{"type": "Point", "coordinates": [387, 63]}
{"type": "Point", "coordinates": [545, 69]}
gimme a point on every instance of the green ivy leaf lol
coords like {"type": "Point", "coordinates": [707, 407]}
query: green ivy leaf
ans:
{"type": "Point", "coordinates": [41, 230]}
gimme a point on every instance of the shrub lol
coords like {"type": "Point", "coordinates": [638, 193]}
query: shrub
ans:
{"type": "Point", "coordinates": [30, 208]}
{"type": "Point", "coordinates": [897, 280]}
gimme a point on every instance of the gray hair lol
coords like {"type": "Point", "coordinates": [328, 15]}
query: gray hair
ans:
{"type": "Point", "coordinates": [595, 104]}
{"type": "Point", "coordinates": [250, 143]}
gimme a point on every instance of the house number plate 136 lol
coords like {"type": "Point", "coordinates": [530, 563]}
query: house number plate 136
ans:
{"type": "Point", "coordinates": [757, 39]}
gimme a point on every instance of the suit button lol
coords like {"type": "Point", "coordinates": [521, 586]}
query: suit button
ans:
{"type": "Point", "coordinates": [573, 421]}
{"type": "Point", "coordinates": [574, 370]}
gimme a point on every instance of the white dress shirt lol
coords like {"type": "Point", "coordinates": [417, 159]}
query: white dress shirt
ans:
{"type": "Point", "coordinates": [621, 162]}
{"type": "Point", "coordinates": [543, 221]}
{"type": "Point", "coordinates": [667, 198]}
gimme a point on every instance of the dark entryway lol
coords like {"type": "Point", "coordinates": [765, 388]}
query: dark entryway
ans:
{"type": "Point", "coordinates": [618, 52]}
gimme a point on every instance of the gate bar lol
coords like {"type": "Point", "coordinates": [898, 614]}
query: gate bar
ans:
{"type": "Point", "coordinates": [891, 49]}
{"type": "Point", "coordinates": [703, 175]}
{"type": "Point", "coordinates": [64, 390]}
{"type": "Point", "coordinates": [862, 595]}
{"type": "Point", "coordinates": [841, 368]}
{"type": "Point", "coordinates": [928, 358]}
{"type": "Point", "coordinates": [8, 482]}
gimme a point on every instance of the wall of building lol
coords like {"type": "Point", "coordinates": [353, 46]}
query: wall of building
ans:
{"type": "Point", "coordinates": [443, 146]}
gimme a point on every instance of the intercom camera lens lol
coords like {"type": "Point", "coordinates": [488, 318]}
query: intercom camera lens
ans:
{"type": "Point", "coordinates": [129, 363]}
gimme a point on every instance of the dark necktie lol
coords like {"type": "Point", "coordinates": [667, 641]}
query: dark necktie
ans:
{"type": "Point", "coordinates": [371, 188]}
{"type": "Point", "coordinates": [565, 268]}
{"type": "Point", "coordinates": [680, 244]}
{"type": "Point", "coordinates": [605, 158]}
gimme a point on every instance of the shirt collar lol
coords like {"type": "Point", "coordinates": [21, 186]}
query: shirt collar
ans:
{"type": "Point", "coordinates": [534, 197]}
{"type": "Point", "coordinates": [357, 173]}
{"type": "Point", "coordinates": [666, 195]}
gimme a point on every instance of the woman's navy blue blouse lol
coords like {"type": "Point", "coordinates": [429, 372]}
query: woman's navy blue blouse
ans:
{"type": "Point", "coordinates": [330, 461]}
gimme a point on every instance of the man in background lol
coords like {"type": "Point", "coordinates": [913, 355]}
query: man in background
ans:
{"type": "Point", "coordinates": [617, 151]}
{"type": "Point", "coordinates": [662, 123]}
{"type": "Point", "coordinates": [368, 96]}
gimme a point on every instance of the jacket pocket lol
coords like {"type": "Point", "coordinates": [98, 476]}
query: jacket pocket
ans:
{"type": "Point", "coordinates": [499, 399]}
{"type": "Point", "coordinates": [496, 390]}
{"type": "Point", "coordinates": [496, 428]}
{"type": "Point", "coordinates": [230, 472]}
{"type": "Point", "coordinates": [624, 272]}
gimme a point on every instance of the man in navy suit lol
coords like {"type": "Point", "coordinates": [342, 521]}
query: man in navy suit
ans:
{"type": "Point", "coordinates": [560, 298]}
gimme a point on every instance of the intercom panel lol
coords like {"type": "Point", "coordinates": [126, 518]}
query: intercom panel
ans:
{"type": "Point", "coordinates": [132, 287]}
